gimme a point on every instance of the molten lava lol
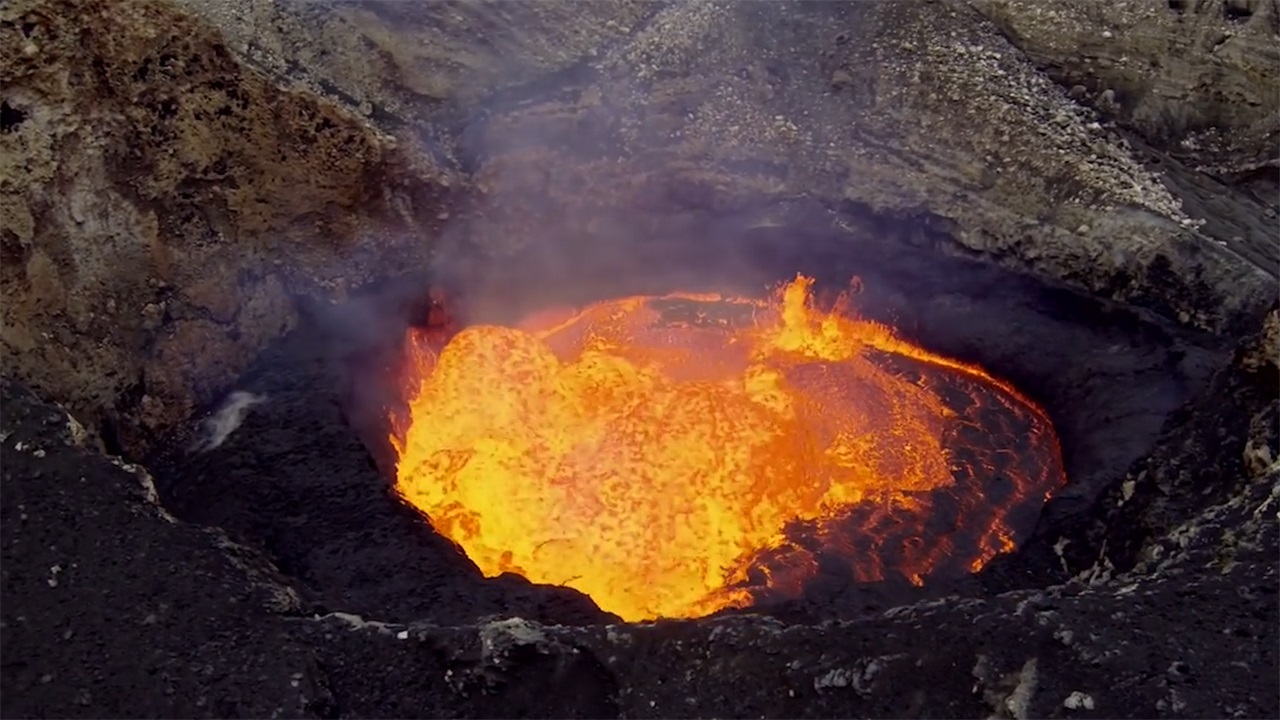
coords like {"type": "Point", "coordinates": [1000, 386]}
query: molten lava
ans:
{"type": "Point", "coordinates": [674, 456]}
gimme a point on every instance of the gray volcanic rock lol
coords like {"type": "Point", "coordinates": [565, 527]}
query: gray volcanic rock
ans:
{"type": "Point", "coordinates": [1197, 78]}
{"type": "Point", "coordinates": [731, 104]}
{"type": "Point", "coordinates": [1198, 75]}
{"type": "Point", "coordinates": [176, 175]}
{"type": "Point", "coordinates": [161, 205]}
{"type": "Point", "coordinates": [415, 66]}
{"type": "Point", "coordinates": [905, 109]}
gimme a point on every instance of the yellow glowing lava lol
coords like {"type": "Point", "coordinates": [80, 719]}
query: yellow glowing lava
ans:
{"type": "Point", "coordinates": [645, 459]}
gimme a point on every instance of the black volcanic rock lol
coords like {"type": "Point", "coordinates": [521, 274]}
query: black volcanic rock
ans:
{"type": "Point", "coordinates": [295, 481]}
{"type": "Point", "coordinates": [114, 608]}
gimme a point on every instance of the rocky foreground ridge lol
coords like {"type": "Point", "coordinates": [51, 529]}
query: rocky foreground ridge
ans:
{"type": "Point", "coordinates": [114, 608]}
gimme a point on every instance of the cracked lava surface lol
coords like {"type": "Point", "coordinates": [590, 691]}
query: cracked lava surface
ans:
{"type": "Point", "coordinates": [673, 456]}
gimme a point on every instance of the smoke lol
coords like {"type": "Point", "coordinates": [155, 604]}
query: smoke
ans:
{"type": "Point", "coordinates": [596, 180]}
{"type": "Point", "coordinates": [606, 149]}
{"type": "Point", "coordinates": [590, 168]}
{"type": "Point", "coordinates": [225, 420]}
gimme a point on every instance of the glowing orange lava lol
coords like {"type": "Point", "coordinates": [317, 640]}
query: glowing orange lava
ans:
{"type": "Point", "coordinates": [662, 455]}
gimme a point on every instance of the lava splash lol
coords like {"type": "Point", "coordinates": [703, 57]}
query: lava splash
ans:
{"type": "Point", "coordinates": [673, 456]}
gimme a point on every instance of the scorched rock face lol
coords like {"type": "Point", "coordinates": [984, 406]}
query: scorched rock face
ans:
{"type": "Point", "coordinates": [674, 456]}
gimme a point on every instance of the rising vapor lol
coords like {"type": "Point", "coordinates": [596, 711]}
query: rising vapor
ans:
{"type": "Point", "coordinates": [216, 428]}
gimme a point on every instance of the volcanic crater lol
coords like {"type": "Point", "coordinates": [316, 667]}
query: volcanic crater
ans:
{"type": "Point", "coordinates": [632, 359]}
{"type": "Point", "coordinates": [982, 394]}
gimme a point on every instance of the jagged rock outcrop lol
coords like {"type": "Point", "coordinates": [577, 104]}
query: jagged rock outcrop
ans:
{"type": "Point", "coordinates": [1199, 76]}
{"type": "Point", "coordinates": [162, 204]}
{"type": "Point", "coordinates": [417, 68]}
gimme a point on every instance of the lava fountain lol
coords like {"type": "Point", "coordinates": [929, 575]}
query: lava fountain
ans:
{"type": "Point", "coordinates": [673, 456]}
